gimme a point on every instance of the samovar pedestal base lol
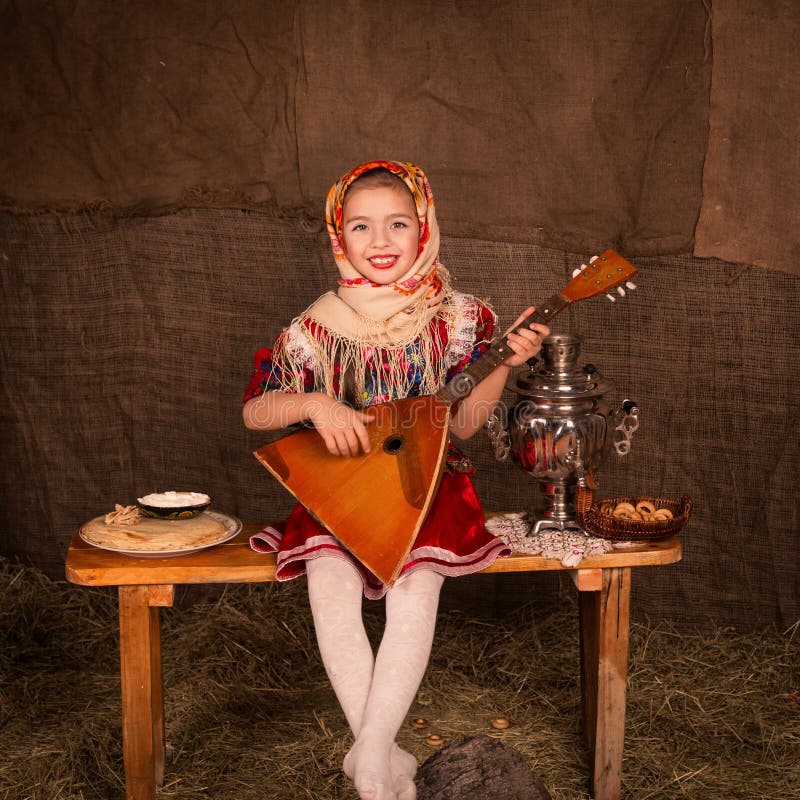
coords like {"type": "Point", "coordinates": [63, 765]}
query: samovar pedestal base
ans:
{"type": "Point", "coordinates": [558, 514]}
{"type": "Point", "coordinates": [553, 525]}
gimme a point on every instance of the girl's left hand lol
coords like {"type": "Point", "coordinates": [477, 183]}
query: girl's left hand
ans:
{"type": "Point", "coordinates": [527, 341]}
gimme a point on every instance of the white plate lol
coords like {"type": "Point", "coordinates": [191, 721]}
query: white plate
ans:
{"type": "Point", "coordinates": [232, 527]}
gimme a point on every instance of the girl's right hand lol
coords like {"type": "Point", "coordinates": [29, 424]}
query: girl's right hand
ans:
{"type": "Point", "coordinates": [342, 428]}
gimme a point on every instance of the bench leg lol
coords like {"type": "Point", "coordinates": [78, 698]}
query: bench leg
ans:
{"type": "Point", "coordinates": [142, 692]}
{"type": "Point", "coordinates": [605, 631]}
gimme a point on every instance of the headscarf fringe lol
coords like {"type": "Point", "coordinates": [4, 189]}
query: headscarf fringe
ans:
{"type": "Point", "coordinates": [383, 368]}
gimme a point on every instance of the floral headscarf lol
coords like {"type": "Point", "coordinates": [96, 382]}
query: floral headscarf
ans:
{"type": "Point", "coordinates": [401, 308]}
{"type": "Point", "coordinates": [417, 184]}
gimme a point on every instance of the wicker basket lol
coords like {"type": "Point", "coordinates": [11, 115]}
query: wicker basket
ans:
{"type": "Point", "coordinates": [602, 524]}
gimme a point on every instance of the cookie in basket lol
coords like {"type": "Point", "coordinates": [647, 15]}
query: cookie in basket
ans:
{"type": "Point", "coordinates": [636, 518]}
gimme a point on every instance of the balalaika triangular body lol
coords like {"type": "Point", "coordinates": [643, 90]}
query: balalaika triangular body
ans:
{"type": "Point", "coordinates": [375, 503]}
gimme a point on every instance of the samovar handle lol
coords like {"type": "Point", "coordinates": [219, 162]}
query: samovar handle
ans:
{"type": "Point", "coordinates": [627, 419]}
{"type": "Point", "coordinates": [497, 428]}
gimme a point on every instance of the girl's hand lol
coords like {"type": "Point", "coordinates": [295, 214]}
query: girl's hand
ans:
{"type": "Point", "coordinates": [526, 342]}
{"type": "Point", "coordinates": [342, 428]}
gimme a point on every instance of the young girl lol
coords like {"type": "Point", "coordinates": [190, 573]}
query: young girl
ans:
{"type": "Point", "coordinates": [394, 328]}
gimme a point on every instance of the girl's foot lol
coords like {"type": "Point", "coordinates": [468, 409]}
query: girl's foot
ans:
{"type": "Point", "coordinates": [404, 768]}
{"type": "Point", "coordinates": [371, 772]}
{"type": "Point", "coordinates": [405, 788]}
{"type": "Point", "coordinates": [403, 763]}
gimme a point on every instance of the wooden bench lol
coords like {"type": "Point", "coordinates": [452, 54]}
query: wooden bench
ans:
{"type": "Point", "coordinates": [146, 584]}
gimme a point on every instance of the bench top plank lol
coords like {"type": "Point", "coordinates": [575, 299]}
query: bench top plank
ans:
{"type": "Point", "coordinates": [235, 562]}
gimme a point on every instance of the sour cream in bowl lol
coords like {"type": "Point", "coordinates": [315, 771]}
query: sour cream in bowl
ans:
{"type": "Point", "coordinates": [174, 505]}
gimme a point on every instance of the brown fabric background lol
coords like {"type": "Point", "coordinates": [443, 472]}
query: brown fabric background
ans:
{"type": "Point", "coordinates": [577, 124]}
{"type": "Point", "coordinates": [751, 182]}
{"type": "Point", "coordinates": [166, 164]}
{"type": "Point", "coordinates": [148, 104]}
{"type": "Point", "coordinates": [586, 123]}
{"type": "Point", "coordinates": [128, 345]}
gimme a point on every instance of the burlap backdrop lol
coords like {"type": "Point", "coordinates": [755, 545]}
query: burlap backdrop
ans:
{"type": "Point", "coordinates": [658, 128]}
{"type": "Point", "coordinates": [751, 179]}
{"type": "Point", "coordinates": [129, 344]}
{"type": "Point", "coordinates": [578, 124]}
{"type": "Point", "coordinates": [586, 123]}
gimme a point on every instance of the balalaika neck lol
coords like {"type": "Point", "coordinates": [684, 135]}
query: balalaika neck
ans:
{"type": "Point", "coordinates": [466, 380]}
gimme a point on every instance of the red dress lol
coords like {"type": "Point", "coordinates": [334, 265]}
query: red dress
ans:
{"type": "Point", "coordinates": [453, 539]}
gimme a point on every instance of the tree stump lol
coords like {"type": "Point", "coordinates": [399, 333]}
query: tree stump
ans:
{"type": "Point", "coordinates": [476, 768]}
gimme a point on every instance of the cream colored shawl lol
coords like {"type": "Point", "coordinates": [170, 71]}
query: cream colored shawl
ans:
{"type": "Point", "coordinates": [367, 326]}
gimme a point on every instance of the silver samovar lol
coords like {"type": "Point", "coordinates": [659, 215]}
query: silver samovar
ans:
{"type": "Point", "coordinates": [561, 428]}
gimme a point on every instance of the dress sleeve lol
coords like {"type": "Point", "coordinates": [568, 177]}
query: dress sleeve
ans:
{"type": "Point", "coordinates": [292, 371]}
{"type": "Point", "coordinates": [481, 331]}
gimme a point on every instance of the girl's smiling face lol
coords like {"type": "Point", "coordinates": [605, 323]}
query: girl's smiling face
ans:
{"type": "Point", "coordinates": [380, 230]}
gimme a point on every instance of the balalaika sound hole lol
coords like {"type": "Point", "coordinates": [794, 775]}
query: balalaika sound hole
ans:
{"type": "Point", "coordinates": [394, 444]}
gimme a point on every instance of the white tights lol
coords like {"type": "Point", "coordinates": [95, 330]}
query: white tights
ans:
{"type": "Point", "coordinates": [374, 693]}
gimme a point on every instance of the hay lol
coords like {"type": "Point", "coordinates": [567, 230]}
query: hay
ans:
{"type": "Point", "coordinates": [249, 713]}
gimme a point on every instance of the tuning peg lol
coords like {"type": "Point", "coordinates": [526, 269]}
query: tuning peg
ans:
{"type": "Point", "coordinates": [620, 291]}
{"type": "Point", "coordinates": [630, 284]}
{"type": "Point", "coordinates": [576, 272]}
{"type": "Point", "coordinates": [611, 297]}
{"type": "Point", "coordinates": [593, 259]}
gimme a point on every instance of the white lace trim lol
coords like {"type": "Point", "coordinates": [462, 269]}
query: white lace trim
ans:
{"type": "Point", "coordinates": [298, 346]}
{"type": "Point", "coordinates": [467, 314]}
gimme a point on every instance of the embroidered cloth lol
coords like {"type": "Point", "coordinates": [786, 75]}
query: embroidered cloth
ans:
{"type": "Point", "coordinates": [569, 548]}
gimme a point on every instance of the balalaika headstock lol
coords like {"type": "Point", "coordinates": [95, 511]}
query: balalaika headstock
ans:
{"type": "Point", "coordinates": [603, 273]}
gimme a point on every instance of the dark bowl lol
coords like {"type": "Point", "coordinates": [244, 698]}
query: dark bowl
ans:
{"type": "Point", "coordinates": [173, 512]}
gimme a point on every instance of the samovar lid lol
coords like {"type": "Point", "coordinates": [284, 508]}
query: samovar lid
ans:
{"type": "Point", "coordinates": [557, 374]}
